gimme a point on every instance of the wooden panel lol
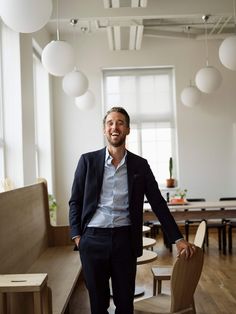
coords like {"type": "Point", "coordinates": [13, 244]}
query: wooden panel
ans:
{"type": "Point", "coordinates": [23, 231]}
{"type": "Point", "coordinates": [60, 235]}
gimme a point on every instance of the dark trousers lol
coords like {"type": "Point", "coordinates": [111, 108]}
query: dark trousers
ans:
{"type": "Point", "coordinates": [106, 253]}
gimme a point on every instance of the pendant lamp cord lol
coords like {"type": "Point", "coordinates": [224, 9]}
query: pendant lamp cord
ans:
{"type": "Point", "coordinates": [205, 18]}
{"type": "Point", "coordinates": [188, 28]}
{"type": "Point", "coordinates": [58, 34]}
{"type": "Point", "coordinates": [234, 14]}
{"type": "Point", "coordinates": [74, 22]}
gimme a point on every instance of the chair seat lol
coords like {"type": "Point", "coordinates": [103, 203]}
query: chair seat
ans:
{"type": "Point", "coordinates": [149, 305]}
{"type": "Point", "coordinates": [160, 273]}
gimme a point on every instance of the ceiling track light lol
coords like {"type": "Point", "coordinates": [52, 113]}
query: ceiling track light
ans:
{"type": "Point", "coordinates": [205, 18]}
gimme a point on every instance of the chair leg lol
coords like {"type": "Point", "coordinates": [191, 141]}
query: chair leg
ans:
{"type": "Point", "coordinates": [159, 284]}
{"type": "Point", "coordinates": [230, 238]}
{"type": "Point", "coordinates": [207, 237]}
{"type": "Point", "coordinates": [154, 286]}
{"type": "Point", "coordinates": [186, 226]}
{"type": "Point", "coordinates": [224, 239]}
{"type": "Point", "coordinates": [219, 238]}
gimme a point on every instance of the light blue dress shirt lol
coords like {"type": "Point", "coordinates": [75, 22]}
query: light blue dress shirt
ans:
{"type": "Point", "coordinates": [113, 204]}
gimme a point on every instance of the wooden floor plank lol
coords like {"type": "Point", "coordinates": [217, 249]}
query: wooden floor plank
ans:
{"type": "Point", "coordinates": [215, 294]}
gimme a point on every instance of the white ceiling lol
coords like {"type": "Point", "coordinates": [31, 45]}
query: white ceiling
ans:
{"type": "Point", "coordinates": [173, 19]}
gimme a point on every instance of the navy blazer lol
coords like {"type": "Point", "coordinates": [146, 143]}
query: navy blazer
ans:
{"type": "Point", "coordinates": [86, 190]}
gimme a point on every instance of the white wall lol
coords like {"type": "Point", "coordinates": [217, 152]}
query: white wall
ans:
{"type": "Point", "coordinates": [206, 134]}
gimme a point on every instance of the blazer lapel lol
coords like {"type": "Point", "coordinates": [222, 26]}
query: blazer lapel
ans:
{"type": "Point", "coordinates": [131, 174]}
{"type": "Point", "coordinates": [100, 160]}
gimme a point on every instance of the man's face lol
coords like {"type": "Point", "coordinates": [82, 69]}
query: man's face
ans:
{"type": "Point", "coordinates": [116, 129]}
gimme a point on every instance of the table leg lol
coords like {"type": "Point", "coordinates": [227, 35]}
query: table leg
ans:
{"type": "Point", "coordinates": [4, 303]}
{"type": "Point", "coordinates": [37, 303]}
{"type": "Point", "coordinates": [46, 304]}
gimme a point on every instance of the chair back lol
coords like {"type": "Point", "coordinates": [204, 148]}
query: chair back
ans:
{"type": "Point", "coordinates": [200, 234]}
{"type": "Point", "coordinates": [199, 199]}
{"type": "Point", "coordinates": [227, 199]}
{"type": "Point", "coordinates": [185, 276]}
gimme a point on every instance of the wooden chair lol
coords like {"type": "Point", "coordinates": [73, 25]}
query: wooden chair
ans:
{"type": "Point", "coordinates": [185, 276]}
{"type": "Point", "coordinates": [161, 272]}
{"type": "Point", "coordinates": [220, 225]}
{"type": "Point", "coordinates": [189, 222]}
{"type": "Point", "coordinates": [231, 223]}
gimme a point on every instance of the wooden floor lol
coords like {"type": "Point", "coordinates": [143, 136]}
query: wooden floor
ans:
{"type": "Point", "coordinates": [216, 291]}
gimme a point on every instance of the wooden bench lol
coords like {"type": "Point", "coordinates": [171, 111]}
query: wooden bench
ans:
{"type": "Point", "coordinates": [30, 244]}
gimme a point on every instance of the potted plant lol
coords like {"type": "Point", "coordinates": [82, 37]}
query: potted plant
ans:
{"type": "Point", "coordinates": [179, 197]}
{"type": "Point", "coordinates": [170, 183]}
{"type": "Point", "coordinates": [52, 209]}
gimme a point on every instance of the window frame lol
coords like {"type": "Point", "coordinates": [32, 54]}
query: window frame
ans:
{"type": "Point", "coordinates": [138, 120]}
{"type": "Point", "coordinates": [2, 141]}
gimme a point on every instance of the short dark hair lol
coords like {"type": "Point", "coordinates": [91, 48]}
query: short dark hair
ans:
{"type": "Point", "coordinates": [122, 111]}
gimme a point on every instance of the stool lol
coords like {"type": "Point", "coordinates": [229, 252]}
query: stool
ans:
{"type": "Point", "coordinates": [36, 283]}
{"type": "Point", "coordinates": [160, 273]}
{"type": "Point", "coordinates": [148, 243]}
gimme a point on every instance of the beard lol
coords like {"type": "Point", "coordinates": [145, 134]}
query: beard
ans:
{"type": "Point", "coordinates": [116, 142]}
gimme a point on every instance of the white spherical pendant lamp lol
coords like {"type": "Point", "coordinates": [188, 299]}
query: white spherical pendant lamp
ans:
{"type": "Point", "coordinates": [208, 79]}
{"type": "Point", "coordinates": [86, 101]}
{"type": "Point", "coordinates": [75, 83]}
{"type": "Point", "coordinates": [58, 58]}
{"type": "Point", "coordinates": [25, 16]}
{"type": "Point", "coordinates": [190, 96]}
{"type": "Point", "coordinates": [227, 52]}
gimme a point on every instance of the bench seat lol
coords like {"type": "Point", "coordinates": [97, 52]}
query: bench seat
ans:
{"type": "Point", "coordinates": [30, 244]}
{"type": "Point", "coordinates": [63, 267]}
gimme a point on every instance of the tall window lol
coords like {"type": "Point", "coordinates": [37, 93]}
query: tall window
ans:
{"type": "Point", "coordinates": [43, 138]}
{"type": "Point", "coordinates": [2, 168]}
{"type": "Point", "coordinates": [147, 95]}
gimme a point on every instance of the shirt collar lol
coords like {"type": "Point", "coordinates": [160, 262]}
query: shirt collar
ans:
{"type": "Point", "coordinates": [108, 157]}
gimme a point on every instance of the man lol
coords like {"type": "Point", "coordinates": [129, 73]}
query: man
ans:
{"type": "Point", "coordinates": [106, 216]}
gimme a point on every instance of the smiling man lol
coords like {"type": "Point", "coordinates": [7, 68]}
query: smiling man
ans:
{"type": "Point", "coordinates": [106, 216]}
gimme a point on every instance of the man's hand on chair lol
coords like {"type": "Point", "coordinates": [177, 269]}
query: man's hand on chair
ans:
{"type": "Point", "coordinates": [186, 248]}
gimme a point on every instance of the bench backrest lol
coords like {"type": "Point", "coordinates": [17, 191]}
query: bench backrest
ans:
{"type": "Point", "coordinates": [24, 227]}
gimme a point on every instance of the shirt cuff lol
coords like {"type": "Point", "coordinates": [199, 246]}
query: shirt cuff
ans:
{"type": "Point", "coordinates": [176, 241]}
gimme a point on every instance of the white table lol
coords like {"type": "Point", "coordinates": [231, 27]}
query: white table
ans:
{"type": "Point", "coordinates": [193, 210]}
